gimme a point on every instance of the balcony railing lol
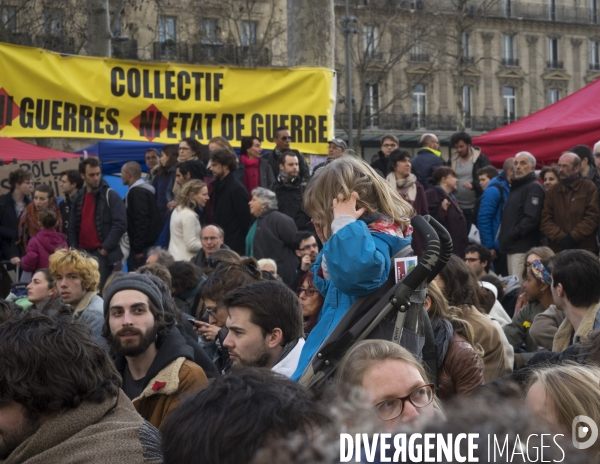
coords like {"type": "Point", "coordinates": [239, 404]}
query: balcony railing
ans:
{"type": "Point", "coordinates": [554, 64]}
{"type": "Point", "coordinates": [124, 49]}
{"type": "Point", "coordinates": [594, 66]}
{"type": "Point", "coordinates": [170, 51]}
{"type": "Point", "coordinates": [56, 43]}
{"type": "Point", "coordinates": [419, 57]}
{"type": "Point", "coordinates": [17, 38]}
{"type": "Point", "coordinates": [230, 54]}
{"type": "Point", "coordinates": [517, 10]}
{"type": "Point", "coordinates": [406, 122]}
{"type": "Point", "coordinates": [513, 62]}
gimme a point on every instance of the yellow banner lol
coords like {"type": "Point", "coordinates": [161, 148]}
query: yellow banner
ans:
{"type": "Point", "coordinates": [44, 94]}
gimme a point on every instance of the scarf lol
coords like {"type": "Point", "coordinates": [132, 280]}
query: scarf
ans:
{"type": "Point", "coordinates": [29, 224]}
{"type": "Point", "coordinates": [407, 187]}
{"type": "Point", "coordinates": [570, 181]}
{"type": "Point", "coordinates": [250, 238]}
{"type": "Point", "coordinates": [442, 334]}
{"type": "Point", "coordinates": [251, 173]}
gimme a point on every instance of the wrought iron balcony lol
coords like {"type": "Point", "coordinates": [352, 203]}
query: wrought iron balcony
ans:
{"type": "Point", "coordinates": [170, 51]}
{"type": "Point", "coordinates": [419, 57]}
{"type": "Point", "coordinates": [513, 62]}
{"type": "Point", "coordinates": [124, 49]}
{"type": "Point", "coordinates": [554, 64]}
{"type": "Point", "coordinates": [594, 66]}
{"type": "Point", "coordinates": [230, 54]}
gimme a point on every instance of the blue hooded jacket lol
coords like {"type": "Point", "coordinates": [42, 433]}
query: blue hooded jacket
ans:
{"type": "Point", "coordinates": [358, 262]}
{"type": "Point", "coordinates": [490, 211]}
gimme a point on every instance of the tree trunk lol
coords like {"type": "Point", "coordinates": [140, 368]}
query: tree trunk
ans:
{"type": "Point", "coordinates": [98, 28]}
{"type": "Point", "coordinates": [311, 33]}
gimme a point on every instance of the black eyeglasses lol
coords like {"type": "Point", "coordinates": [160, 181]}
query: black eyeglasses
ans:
{"type": "Point", "coordinates": [419, 398]}
{"type": "Point", "coordinates": [310, 291]}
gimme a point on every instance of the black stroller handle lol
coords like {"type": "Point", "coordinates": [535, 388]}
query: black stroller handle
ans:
{"type": "Point", "coordinates": [430, 257]}
{"type": "Point", "coordinates": [446, 247]}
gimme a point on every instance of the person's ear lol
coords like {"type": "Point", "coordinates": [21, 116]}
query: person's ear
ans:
{"type": "Point", "coordinates": [274, 338]}
{"type": "Point", "coordinates": [298, 253]}
{"type": "Point", "coordinates": [281, 167]}
{"type": "Point", "coordinates": [427, 303]}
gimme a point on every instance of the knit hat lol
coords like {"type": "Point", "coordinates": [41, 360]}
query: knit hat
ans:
{"type": "Point", "coordinates": [138, 282]}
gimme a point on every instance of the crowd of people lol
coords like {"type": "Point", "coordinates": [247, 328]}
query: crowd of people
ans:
{"type": "Point", "coordinates": [181, 323]}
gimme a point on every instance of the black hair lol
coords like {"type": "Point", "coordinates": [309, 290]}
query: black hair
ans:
{"type": "Point", "coordinates": [272, 305]}
{"type": "Point", "coordinates": [484, 254]}
{"type": "Point", "coordinates": [440, 173]}
{"type": "Point", "coordinates": [185, 276]}
{"type": "Point", "coordinates": [224, 157]}
{"type": "Point", "coordinates": [283, 156]}
{"type": "Point", "coordinates": [460, 136]}
{"type": "Point", "coordinates": [300, 236]}
{"type": "Point", "coordinates": [489, 171]}
{"type": "Point", "coordinates": [496, 282]}
{"type": "Point", "coordinates": [246, 143]}
{"type": "Point", "coordinates": [398, 155]}
{"type": "Point", "coordinates": [584, 152]}
{"type": "Point", "coordinates": [278, 130]}
{"type": "Point", "coordinates": [73, 177]}
{"type": "Point", "coordinates": [195, 168]}
{"type": "Point", "coordinates": [579, 273]}
{"type": "Point", "coordinates": [90, 161]}
{"type": "Point", "coordinates": [460, 284]}
{"type": "Point", "coordinates": [48, 365]}
{"type": "Point", "coordinates": [198, 150]}
{"type": "Point", "coordinates": [236, 415]}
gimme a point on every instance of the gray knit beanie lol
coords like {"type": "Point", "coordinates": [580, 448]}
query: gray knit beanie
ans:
{"type": "Point", "coordinates": [138, 282]}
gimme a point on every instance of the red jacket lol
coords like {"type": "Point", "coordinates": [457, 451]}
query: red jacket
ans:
{"type": "Point", "coordinates": [40, 247]}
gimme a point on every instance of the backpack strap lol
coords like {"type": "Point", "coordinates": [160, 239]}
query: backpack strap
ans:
{"type": "Point", "coordinates": [501, 192]}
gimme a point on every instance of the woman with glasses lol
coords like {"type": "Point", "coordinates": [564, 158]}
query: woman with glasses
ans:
{"type": "Point", "coordinates": [394, 381]}
{"type": "Point", "coordinates": [272, 234]}
{"type": "Point", "coordinates": [311, 301]}
{"type": "Point", "coordinates": [189, 149]}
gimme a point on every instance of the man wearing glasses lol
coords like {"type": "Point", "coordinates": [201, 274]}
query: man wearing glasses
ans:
{"type": "Point", "coordinates": [428, 159]}
{"type": "Point", "coordinates": [213, 239]}
{"type": "Point", "coordinates": [389, 143]}
{"type": "Point", "coordinates": [307, 249]}
{"type": "Point", "coordinates": [282, 139]}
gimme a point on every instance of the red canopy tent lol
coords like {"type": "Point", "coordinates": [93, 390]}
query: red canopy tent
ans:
{"type": "Point", "coordinates": [11, 149]}
{"type": "Point", "coordinates": [575, 120]}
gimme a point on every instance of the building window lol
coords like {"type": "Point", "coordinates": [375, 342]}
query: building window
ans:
{"type": "Point", "coordinates": [553, 96]}
{"type": "Point", "coordinates": [371, 35]}
{"type": "Point", "coordinates": [166, 29]}
{"type": "Point", "coordinates": [52, 22]}
{"type": "Point", "coordinates": [510, 104]}
{"type": "Point", "coordinates": [419, 102]}
{"type": "Point", "coordinates": [509, 50]}
{"type": "Point", "coordinates": [209, 31]}
{"type": "Point", "coordinates": [467, 106]}
{"type": "Point", "coordinates": [552, 10]}
{"type": "Point", "coordinates": [372, 105]}
{"type": "Point", "coordinates": [465, 44]}
{"type": "Point", "coordinates": [507, 8]}
{"type": "Point", "coordinates": [593, 9]}
{"type": "Point", "coordinates": [248, 33]}
{"type": "Point", "coordinates": [8, 17]}
{"type": "Point", "coordinates": [595, 55]}
{"type": "Point", "coordinates": [553, 62]}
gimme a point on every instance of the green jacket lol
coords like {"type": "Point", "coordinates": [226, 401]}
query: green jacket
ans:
{"type": "Point", "coordinates": [517, 331]}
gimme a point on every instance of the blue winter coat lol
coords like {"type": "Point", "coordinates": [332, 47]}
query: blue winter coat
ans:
{"type": "Point", "coordinates": [490, 211]}
{"type": "Point", "coordinates": [358, 262]}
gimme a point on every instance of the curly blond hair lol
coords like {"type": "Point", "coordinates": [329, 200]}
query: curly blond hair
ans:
{"type": "Point", "coordinates": [77, 262]}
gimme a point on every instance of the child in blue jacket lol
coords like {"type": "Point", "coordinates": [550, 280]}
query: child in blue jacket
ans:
{"type": "Point", "coordinates": [362, 222]}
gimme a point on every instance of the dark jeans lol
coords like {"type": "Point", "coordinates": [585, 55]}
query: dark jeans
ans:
{"type": "Point", "coordinates": [469, 218]}
{"type": "Point", "coordinates": [133, 265]}
{"type": "Point", "coordinates": [105, 268]}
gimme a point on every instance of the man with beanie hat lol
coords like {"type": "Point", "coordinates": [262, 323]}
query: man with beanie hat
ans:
{"type": "Point", "coordinates": [153, 359]}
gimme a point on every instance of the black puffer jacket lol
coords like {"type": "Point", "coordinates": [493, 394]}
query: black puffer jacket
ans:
{"type": "Point", "coordinates": [520, 226]}
{"type": "Point", "coordinates": [110, 219]}
{"type": "Point", "coordinates": [8, 226]}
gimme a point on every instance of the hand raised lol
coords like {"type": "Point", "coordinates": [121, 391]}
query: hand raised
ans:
{"type": "Point", "coordinates": [347, 207]}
